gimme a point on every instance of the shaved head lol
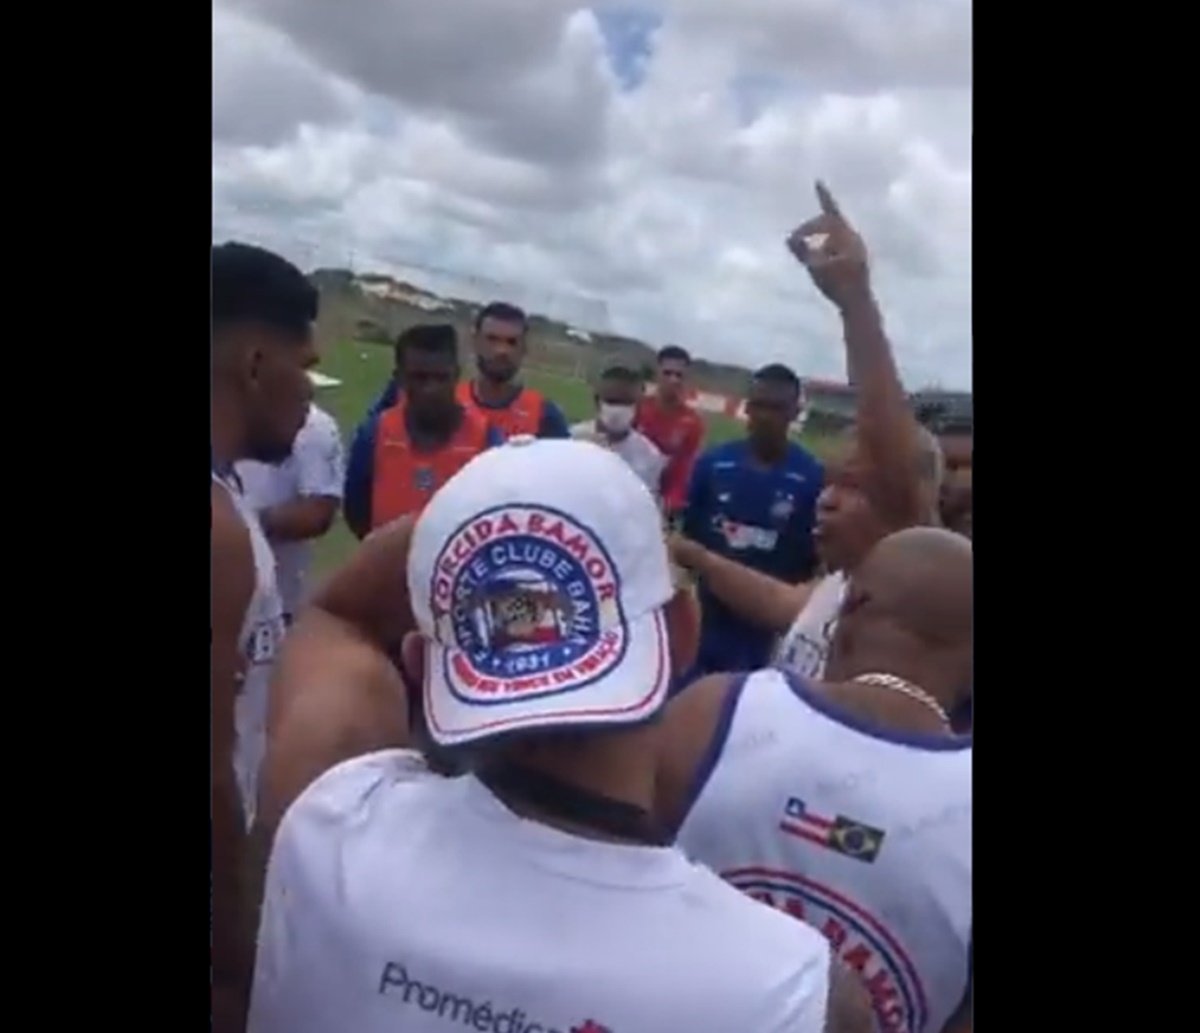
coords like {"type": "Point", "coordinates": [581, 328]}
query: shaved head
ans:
{"type": "Point", "coordinates": [910, 608]}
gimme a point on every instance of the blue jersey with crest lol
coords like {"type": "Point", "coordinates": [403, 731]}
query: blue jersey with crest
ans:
{"type": "Point", "coordinates": [759, 516]}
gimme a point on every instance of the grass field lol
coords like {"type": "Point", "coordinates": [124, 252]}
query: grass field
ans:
{"type": "Point", "coordinates": [364, 368]}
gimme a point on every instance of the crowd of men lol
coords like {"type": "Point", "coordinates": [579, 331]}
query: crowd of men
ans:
{"type": "Point", "coordinates": [597, 730]}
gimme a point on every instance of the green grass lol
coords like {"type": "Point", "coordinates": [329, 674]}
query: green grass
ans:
{"type": "Point", "coordinates": [364, 368]}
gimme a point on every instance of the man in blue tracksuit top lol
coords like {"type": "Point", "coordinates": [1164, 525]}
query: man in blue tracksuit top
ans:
{"type": "Point", "coordinates": [753, 501]}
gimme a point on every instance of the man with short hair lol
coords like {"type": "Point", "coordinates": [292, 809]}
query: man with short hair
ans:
{"type": "Point", "coordinates": [297, 501]}
{"type": "Point", "coordinates": [672, 425]}
{"type": "Point", "coordinates": [496, 391]}
{"type": "Point", "coordinates": [853, 810]}
{"type": "Point", "coordinates": [404, 453]}
{"type": "Point", "coordinates": [534, 892]}
{"type": "Point", "coordinates": [753, 501]}
{"type": "Point", "coordinates": [617, 395]}
{"type": "Point", "coordinates": [262, 346]}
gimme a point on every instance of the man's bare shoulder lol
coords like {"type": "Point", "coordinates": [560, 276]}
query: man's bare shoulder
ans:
{"type": "Point", "coordinates": [694, 711]}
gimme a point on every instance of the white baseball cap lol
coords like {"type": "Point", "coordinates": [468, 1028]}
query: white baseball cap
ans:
{"type": "Point", "coordinates": [538, 576]}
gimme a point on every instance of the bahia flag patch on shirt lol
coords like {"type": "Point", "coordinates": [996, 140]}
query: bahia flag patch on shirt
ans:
{"type": "Point", "coordinates": [841, 834]}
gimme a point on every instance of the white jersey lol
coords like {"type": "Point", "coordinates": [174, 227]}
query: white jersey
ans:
{"type": "Point", "coordinates": [863, 834]}
{"type": "Point", "coordinates": [262, 630]}
{"type": "Point", "coordinates": [804, 647]}
{"type": "Point", "coordinates": [316, 467]}
{"type": "Point", "coordinates": [639, 452]}
{"type": "Point", "coordinates": [400, 900]}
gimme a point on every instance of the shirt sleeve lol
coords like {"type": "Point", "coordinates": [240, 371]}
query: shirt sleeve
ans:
{"type": "Point", "coordinates": [356, 503]}
{"type": "Point", "coordinates": [317, 832]}
{"type": "Point", "coordinates": [320, 460]}
{"type": "Point", "coordinates": [554, 423]}
{"type": "Point", "coordinates": [802, 1004]}
{"type": "Point", "coordinates": [677, 475]}
{"type": "Point", "coordinates": [656, 463]}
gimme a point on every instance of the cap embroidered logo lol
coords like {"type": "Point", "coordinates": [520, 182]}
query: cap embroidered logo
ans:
{"type": "Point", "coordinates": [529, 602]}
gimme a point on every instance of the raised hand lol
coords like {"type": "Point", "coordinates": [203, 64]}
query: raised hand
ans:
{"type": "Point", "coordinates": [832, 252]}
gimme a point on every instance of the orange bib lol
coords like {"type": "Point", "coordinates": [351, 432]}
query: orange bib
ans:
{"type": "Point", "coordinates": [405, 478]}
{"type": "Point", "coordinates": [523, 415]}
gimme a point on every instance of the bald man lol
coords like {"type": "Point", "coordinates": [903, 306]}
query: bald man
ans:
{"type": "Point", "coordinates": [847, 802]}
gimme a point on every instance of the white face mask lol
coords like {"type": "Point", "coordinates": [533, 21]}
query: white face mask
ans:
{"type": "Point", "coordinates": [616, 419]}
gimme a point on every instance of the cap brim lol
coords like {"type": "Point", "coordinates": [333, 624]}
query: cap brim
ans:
{"type": "Point", "coordinates": [461, 707]}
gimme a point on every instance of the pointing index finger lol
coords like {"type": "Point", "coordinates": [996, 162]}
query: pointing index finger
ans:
{"type": "Point", "coordinates": [828, 205]}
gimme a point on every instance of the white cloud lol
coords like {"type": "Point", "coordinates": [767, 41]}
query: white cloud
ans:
{"type": "Point", "coordinates": [498, 139]}
{"type": "Point", "coordinates": [263, 87]}
{"type": "Point", "coordinates": [880, 44]}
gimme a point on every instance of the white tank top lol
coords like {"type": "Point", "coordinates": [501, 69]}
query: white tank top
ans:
{"type": "Point", "coordinates": [400, 900]}
{"type": "Point", "coordinates": [262, 631]}
{"type": "Point", "coordinates": [805, 645]}
{"type": "Point", "coordinates": [863, 834]}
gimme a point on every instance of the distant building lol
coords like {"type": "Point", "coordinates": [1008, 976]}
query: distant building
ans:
{"type": "Point", "coordinates": [945, 412]}
{"type": "Point", "coordinates": [404, 293]}
{"type": "Point", "coordinates": [828, 405]}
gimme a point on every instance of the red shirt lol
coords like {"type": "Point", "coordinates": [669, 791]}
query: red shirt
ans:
{"type": "Point", "coordinates": [678, 433]}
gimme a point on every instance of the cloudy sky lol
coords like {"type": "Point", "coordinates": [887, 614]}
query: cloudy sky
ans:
{"type": "Point", "coordinates": [627, 167]}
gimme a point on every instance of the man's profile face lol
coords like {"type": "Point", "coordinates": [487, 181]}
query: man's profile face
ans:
{"type": "Point", "coordinates": [846, 525]}
{"type": "Point", "coordinates": [278, 390]}
{"type": "Point", "coordinates": [499, 348]}
{"type": "Point", "coordinates": [672, 379]}
{"type": "Point", "coordinates": [770, 410]}
{"type": "Point", "coordinates": [429, 386]}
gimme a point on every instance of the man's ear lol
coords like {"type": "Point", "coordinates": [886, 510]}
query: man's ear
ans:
{"type": "Point", "coordinates": [412, 659]}
{"type": "Point", "coordinates": [253, 357]}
